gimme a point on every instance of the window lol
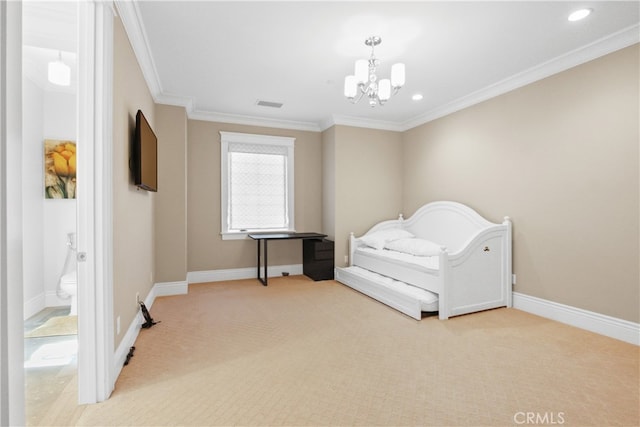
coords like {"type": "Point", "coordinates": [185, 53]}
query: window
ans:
{"type": "Point", "coordinates": [257, 184]}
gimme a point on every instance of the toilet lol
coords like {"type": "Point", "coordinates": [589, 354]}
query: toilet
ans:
{"type": "Point", "coordinates": [69, 284]}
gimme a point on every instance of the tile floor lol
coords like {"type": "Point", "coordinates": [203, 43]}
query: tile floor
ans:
{"type": "Point", "coordinates": [50, 364]}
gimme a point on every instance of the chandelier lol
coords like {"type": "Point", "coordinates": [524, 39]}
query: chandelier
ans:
{"type": "Point", "coordinates": [365, 81]}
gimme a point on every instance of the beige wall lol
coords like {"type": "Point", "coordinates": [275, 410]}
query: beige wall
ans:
{"type": "Point", "coordinates": [560, 157]}
{"type": "Point", "coordinates": [133, 209]}
{"type": "Point", "coordinates": [368, 182]}
{"type": "Point", "coordinates": [206, 249]}
{"type": "Point", "coordinates": [171, 198]}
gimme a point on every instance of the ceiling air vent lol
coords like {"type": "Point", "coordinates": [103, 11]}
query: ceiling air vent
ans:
{"type": "Point", "coordinates": [268, 104]}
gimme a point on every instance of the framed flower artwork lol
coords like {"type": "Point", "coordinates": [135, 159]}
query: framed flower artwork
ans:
{"type": "Point", "coordinates": [59, 169]}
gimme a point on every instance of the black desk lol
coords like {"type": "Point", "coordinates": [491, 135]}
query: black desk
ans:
{"type": "Point", "coordinates": [265, 237]}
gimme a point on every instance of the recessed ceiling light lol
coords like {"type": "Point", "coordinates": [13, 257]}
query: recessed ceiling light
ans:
{"type": "Point", "coordinates": [579, 14]}
{"type": "Point", "coordinates": [417, 97]}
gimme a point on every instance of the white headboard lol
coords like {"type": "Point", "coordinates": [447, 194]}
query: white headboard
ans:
{"type": "Point", "coordinates": [450, 224]}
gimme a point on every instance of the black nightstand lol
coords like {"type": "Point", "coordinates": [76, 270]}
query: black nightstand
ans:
{"type": "Point", "coordinates": [317, 259]}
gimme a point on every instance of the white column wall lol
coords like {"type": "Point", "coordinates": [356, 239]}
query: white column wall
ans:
{"type": "Point", "coordinates": [46, 222]}
{"type": "Point", "coordinates": [32, 197]}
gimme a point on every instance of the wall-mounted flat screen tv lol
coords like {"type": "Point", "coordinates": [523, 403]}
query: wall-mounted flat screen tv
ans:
{"type": "Point", "coordinates": [145, 155]}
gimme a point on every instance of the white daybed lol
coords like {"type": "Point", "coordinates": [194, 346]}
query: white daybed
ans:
{"type": "Point", "coordinates": [451, 260]}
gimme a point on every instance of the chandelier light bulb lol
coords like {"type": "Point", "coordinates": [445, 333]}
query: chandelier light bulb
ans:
{"type": "Point", "coordinates": [350, 87]}
{"type": "Point", "coordinates": [384, 89]}
{"type": "Point", "coordinates": [397, 75]}
{"type": "Point", "coordinates": [362, 71]}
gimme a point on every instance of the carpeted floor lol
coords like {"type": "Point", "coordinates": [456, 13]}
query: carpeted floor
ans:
{"type": "Point", "coordinates": [309, 353]}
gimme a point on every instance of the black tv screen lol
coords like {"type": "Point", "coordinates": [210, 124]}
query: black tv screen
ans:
{"type": "Point", "coordinates": [145, 155]}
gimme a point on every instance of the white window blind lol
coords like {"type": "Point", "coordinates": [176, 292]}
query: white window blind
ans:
{"type": "Point", "coordinates": [257, 183]}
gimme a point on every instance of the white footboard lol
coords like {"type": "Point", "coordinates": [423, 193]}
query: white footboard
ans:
{"type": "Point", "coordinates": [480, 275]}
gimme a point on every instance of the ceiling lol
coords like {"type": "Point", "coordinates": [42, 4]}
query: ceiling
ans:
{"type": "Point", "coordinates": [49, 30]}
{"type": "Point", "coordinates": [219, 58]}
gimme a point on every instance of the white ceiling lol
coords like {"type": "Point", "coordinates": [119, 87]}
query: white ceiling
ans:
{"type": "Point", "coordinates": [218, 58]}
{"type": "Point", "coordinates": [49, 30]}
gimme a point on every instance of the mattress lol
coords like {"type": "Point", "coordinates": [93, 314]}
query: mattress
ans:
{"type": "Point", "coordinates": [426, 262]}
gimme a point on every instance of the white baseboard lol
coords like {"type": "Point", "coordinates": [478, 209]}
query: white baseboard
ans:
{"type": "Point", "coordinates": [170, 288]}
{"type": "Point", "coordinates": [53, 300]}
{"type": "Point", "coordinates": [129, 339]}
{"type": "Point", "coordinates": [240, 273]}
{"type": "Point", "coordinates": [34, 305]}
{"type": "Point", "coordinates": [125, 345]}
{"type": "Point", "coordinates": [42, 301]}
{"type": "Point", "coordinates": [599, 323]}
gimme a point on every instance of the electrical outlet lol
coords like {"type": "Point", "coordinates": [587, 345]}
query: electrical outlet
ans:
{"type": "Point", "coordinates": [118, 325]}
{"type": "Point", "coordinates": [514, 279]}
{"type": "Point", "coordinates": [346, 259]}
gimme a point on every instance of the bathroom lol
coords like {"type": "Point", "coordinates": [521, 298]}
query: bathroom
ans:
{"type": "Point", "coordinates": [49, 224]}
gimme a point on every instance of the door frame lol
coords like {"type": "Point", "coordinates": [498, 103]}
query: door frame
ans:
{"type": "Point", "coordinates": [12, 410]}
{"type": "Point", "coordinates": [96, 371]}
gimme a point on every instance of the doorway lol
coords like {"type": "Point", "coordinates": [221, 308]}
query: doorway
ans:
{"type": "Point", "coordinates": [95, 331]}
{"type": "Point", "coordinates": [94, 42]}
{"type": "Point", "coordinates": [49, 136]}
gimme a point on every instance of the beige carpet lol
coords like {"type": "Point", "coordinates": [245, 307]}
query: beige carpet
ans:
{"type": "Point", "coordinates": [59, 325]}
{"type": "Point", "coordinates": [304, 353]}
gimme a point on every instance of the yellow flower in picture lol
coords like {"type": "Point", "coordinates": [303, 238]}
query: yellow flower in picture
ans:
{"type": "Point", "coordinates": [59, 169]}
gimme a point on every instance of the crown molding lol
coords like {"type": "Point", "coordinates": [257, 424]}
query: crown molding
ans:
{"type": "Point", "coordinates": [176, 100]}
{"type": "Point", "coordinates": [608, 44]}
{"type": "Point", "coordinates": [363, 123]}
{"type": "Point", "coordinates": [130, 15]}
{"type": "Point", "coordinates": [253, 121]}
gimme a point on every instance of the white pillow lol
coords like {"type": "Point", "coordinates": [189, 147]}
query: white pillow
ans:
{"type": "Point", "coordinates": [378, 239]}
{"type": "Point", "coordinates": [418, 247]}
